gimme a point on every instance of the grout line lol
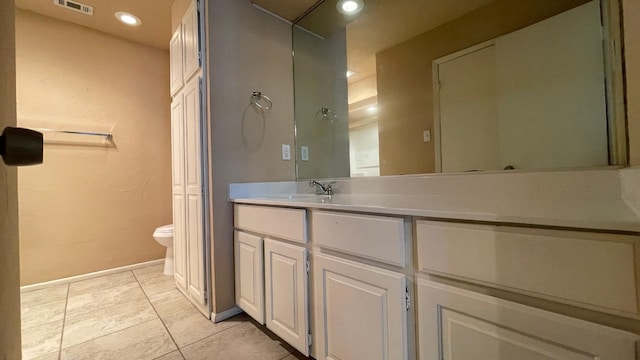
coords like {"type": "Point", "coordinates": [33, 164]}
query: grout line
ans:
{"type": "Point", "coordinates": [165, 325]}
{"type": "Point", "coordinates": [214, 334]}
{"type": "Point", "coordinates": [22, 326]}
{"type": "Point", "coordinates": [159, 318]}
{"type": "Point", "coordinates": [109, 285]}
{"type": "Point", "coordinates": [111, 333]}
{"type": "Point", "coordinates": [64, 319]}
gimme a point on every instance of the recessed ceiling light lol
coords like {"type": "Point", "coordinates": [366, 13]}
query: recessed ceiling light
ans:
{"type": "Point", "coordinates": [350, 73]}
{"type": "Point", "coordinates": [349, 7]}
{"type": "Point", "coordinates": [128, 18]}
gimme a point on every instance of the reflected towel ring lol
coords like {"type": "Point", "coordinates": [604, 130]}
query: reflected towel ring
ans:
{"type": "Point", "coordinates": [326, 114]}
{"type": "Point", "coordinates": [256, 99]}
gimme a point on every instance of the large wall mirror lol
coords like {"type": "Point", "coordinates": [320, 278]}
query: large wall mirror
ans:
{"type": "Point", "coordinates": [396, 87]}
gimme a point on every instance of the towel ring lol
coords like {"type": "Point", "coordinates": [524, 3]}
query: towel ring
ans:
{"type": "Point", "coordinates": [325, 114]}
{"type": "Point", "coordinates": [257, 99]}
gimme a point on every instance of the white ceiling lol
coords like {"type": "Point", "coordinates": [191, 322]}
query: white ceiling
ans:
{"type": "Point", "coordinates": [155, 30]}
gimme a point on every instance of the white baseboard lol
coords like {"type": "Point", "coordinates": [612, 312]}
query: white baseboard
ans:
{"type": "Point", "coordinates": [221, 316]}
{"type": "Point", "coordinates": [92, 275]}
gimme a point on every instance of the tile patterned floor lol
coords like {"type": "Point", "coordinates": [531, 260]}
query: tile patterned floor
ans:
{"type": "Point", "coordinates": [136, 315]}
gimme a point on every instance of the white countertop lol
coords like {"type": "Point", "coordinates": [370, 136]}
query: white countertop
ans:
{"type": "Point", "coordinates": [599, 199]}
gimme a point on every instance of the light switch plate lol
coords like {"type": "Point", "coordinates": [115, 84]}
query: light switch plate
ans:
{"type": "Point", "coordinates": [286, 152]}
{"type": "Point", "coordinates": [426, 135]}
{"type": "Point", "coordinates": [304, 153]}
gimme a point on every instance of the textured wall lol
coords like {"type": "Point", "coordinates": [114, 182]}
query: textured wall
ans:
{"type": "Point", "coordinates": [631, 9]}
{"type": "Point", "coordinates": [248, 50]}
{"type": "Point", "coordinates": [90, 208]}
{"type": "Point", "coordinates": [319, 69]}
{"type": "Point", "coordinates": [9, 259]}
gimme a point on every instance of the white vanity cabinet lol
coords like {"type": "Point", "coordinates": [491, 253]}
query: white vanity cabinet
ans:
{"type": "Point", "coordinates": [595, 271]}
{"type": "Point", "coordinates": [249, 274]}
{"type": "Point", "coordinates": [286, 292]}
{"type": "Point", "coordinates": [462, 325]}
{"type": "Point", "coordinates": [271, 270]}
{"type": "Point", "coordinates": [401, 288]}
{"type": "Point", "coordinates": [360, 311]}
{"type": "Point", "coordinates": [360, 306]}
{"type": "Point", "coordinates": [590, 270]}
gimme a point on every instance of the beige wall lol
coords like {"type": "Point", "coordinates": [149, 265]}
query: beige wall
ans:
{"type": "Point", "coordinates": [248, 50]}
{"type": "Point", "coordinates": [405, 93]}
{"type": "Point", "coordinates": [90, 208]}
{"type": "Point", "coordinates": [9, 259]}
{"type": "Point", "coordinates": [323, 63]}
{"type": "Point", "coordinates": [631, 9]}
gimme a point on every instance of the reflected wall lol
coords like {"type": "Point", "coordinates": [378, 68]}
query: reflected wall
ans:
{"type": "Point", "coordinates": [321, 112]}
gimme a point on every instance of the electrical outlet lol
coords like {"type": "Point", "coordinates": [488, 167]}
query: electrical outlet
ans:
{"type": "Point", "coordinates": [286, 152]}
{"type": "Point", "coordinates": [304, 153]}
{"type": "Point", "coordinates": [426, 135]}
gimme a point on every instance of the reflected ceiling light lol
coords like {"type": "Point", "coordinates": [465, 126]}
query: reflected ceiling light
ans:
{"type": "Point", "coordinates": [349, 7]}
{"type": "Point", "coordinates": [350, 73]}
{"type": "Point", "coordinates": [372, 109]}
{"type": "Point", "coordinates": [128, 18]}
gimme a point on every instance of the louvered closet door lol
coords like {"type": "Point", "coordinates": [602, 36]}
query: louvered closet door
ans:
{"type": "Point", "coordinates": [179, 191]}
{"type": "Point", "coordinates": [194, 211]}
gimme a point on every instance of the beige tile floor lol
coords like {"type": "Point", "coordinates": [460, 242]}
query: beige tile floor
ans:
{"type": "Point", "coordinates": [136, 315]}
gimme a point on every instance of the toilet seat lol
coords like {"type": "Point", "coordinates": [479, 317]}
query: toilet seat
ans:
{"type": "Point", "coordinates": [166, 230]}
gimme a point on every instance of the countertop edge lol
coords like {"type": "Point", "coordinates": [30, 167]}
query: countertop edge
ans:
{"type": "Point", "coordinates": [457, 215]}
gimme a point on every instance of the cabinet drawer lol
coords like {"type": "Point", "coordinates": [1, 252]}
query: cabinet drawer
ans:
{"type": "Point", "coordinates": [378, 238]}
{"type": "Point", "coordinates": [584, 269]}
{"type": "Point", "coordinates": [282, 223]}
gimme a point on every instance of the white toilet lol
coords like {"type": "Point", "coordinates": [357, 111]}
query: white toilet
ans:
{"type": "Point", "coordinates": [164, 236]}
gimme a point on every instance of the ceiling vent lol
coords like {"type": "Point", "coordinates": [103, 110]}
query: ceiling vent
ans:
{"type": "Point", "coordinates": [75, 6]}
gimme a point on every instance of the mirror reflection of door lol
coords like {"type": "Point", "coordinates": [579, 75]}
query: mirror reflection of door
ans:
{"type": "Point", "coordinates": [538, 106]}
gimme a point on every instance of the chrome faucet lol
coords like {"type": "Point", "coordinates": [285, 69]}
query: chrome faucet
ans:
{"type": "Point", "coordinates": [322, 189]}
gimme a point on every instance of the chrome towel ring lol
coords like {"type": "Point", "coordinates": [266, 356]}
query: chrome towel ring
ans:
{"type": "Point", "coordinates": [325, 114]}
{"type": "Point", "coordinates": [262, 101]}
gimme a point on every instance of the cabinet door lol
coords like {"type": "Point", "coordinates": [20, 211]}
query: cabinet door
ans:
{"type": "Point", "coordinates": [360, 311]}
{"type": "Point", "coordinates": [457, 324]}
{"type": "Point", "coordinates": [287, 309]}
{"type": "Point", "coordinates": [249, 275]}
{"type": "Point", "coordinates": [194, 193]}
{"type": "Point", "coordinates": [179, 191]}
{"type": "Point", "coordinates": [175, 61]}
{"type": "Point", "coordinates": [190, 41]}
